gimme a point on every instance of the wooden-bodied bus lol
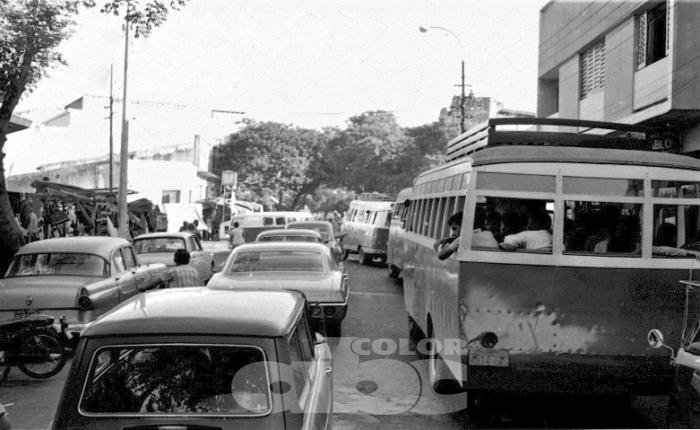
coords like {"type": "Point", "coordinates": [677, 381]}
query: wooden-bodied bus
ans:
{"type": "Point", "coordinates": [397, 244]}
{"type": "Point", "coordinates": [571, 248]}
{"type": "Point", "coordinates": [365, 228]}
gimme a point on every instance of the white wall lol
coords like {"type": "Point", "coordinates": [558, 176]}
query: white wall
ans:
{"type": "Point", "coordinates": [150, 177]}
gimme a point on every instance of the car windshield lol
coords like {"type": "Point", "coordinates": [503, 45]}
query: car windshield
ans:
{"type": "Point", "coordinates": [287, 238]}
{"type": "Point", "coordinates": [177, 379]}
{"type": "Point", "coordinates": [277, 261]}
{"type": "Point", "coordinates": [158, 244]}
{"type": "Point", "coordinates": [70, 264]}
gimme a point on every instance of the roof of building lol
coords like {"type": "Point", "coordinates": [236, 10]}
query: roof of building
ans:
{"type": "Point", "coordinates": [200, 310]}
{"type": "Point", "coordinates": [98, 245]}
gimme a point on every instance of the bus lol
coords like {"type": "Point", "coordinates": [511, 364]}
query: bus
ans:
{"type": "Point", "coordinates": [256, 222]}
{"type": "Point", "coordinates": [571, 247]}
{"type": "Point", "coordinates": [365, 228]}
{"type": "Point", "coordinates": [396, 244]}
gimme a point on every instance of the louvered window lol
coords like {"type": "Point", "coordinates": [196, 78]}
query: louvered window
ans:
{"type": "Point", "coordinates": [653, 26]}
{"type": "Point", "coordinates": [592, 70]}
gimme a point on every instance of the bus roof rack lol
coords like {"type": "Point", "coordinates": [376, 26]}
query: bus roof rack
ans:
{"type": "Point", "coordinates": [376, 197]}
{"type": "Point", "coordinates": [539, 132]}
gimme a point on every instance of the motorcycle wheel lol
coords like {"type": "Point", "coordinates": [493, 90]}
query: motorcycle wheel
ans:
{"type": "Point", "coordinates": [47, 346]}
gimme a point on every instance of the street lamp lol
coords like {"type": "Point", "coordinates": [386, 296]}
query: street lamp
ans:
{"type": "Point", "coordinates": [463, 98]}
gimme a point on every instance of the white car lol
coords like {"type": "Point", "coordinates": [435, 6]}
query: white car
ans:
{"type": "Point", "coordinates": [161, 247]}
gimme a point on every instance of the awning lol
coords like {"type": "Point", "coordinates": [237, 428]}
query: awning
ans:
{"type": "Point", "coordinates": [208, 176]}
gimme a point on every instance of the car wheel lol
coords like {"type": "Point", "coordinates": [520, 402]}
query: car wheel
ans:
{"type": "Point", "coordinates": [362, 257]}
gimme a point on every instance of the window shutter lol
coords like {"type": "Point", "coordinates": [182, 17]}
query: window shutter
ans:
{"type": "Point", "coordinates": [592, 62]}
{"type": "Point", "coordinates": [641, 40]}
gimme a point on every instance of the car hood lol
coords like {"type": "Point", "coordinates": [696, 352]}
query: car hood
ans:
{"type": "Point", "coordinates": [317, 287]}
{"type": "Point", "coordinates": [157, 257]}
{"type": "Point", "coordinates": [45, 292]}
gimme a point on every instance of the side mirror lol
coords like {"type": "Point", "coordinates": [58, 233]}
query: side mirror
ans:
{"type": "Point", "coordinates": [655, 338]}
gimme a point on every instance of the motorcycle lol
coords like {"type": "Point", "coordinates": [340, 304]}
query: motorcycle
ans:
{"type": "Point", "coordinates": [34, 345]}
{"type": "Point", "coordinates": [685, 396]}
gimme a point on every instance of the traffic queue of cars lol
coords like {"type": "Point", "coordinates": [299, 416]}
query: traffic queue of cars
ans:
{"type": "Point", "coordinates": [245, 351]}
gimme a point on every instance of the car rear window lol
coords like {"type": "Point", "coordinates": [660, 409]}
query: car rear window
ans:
{"type": "Point", "coordinates": [69, 264]}
{"type": "Point", "coordinates": [158, 244]}
{"type": "Point", "coordinates": [277, 261]}
{"type": "Point", "coordinates": [177, 379]}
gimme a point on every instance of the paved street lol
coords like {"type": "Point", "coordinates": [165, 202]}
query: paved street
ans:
{"type": "Point", "coordinates": [381, 389]}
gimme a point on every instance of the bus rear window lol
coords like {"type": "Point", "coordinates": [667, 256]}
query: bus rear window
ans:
{"type": "Point", "coordinates": [513, 225]}
{"type": "Point", "coordinates": [515, 182]}
{"type": "Point", "coordinates": [676, 229]}
{"type": "Point", "coordinates": [603, 186]}
{"type": "Point", "coordinates": [600, 228]}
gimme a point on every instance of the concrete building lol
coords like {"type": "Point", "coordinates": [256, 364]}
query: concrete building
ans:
{"type": "Point", "coordinates": [170, 147]}
{"type": "Point", "coordinates": [631, 62]}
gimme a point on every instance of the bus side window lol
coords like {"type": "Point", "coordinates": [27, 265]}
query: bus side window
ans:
{"type": "Point", "coordinates": [267, 221]}
{"type": "Point", "coordinates": [280, 221]}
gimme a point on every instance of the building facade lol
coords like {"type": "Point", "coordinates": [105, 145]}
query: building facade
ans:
{"type": "Point", "coordinates": [631, 62]}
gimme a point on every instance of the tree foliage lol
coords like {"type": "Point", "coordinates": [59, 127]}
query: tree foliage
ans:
{"type": "Point", "coordinates": [272, 160]}
{"type": "Point", "coordinates": [30, 32]}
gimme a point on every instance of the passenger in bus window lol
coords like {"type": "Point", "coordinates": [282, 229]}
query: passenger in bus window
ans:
{"type": "Point", "coordinates": [486, 225]}
{"type": "Point", "coordinates": [537, 237]}
{"type": "Point", "coordinates": [448, 245]}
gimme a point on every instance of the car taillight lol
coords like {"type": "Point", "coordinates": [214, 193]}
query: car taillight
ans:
{"type": "Point", "coordinates": [84, 302]}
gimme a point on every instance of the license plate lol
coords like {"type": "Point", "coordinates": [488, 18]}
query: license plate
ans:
{"type": "Point", "coordinates": [488, 357]}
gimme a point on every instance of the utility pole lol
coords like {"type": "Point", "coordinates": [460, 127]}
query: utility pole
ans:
{"type": "Point", "coordinates": [124, 154]}
{"type": "Point", "coordinates": [111, 135]}
{"type": "Point", "coordinates": [463, 118]}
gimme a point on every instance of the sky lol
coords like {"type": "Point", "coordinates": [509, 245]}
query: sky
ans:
{"type": "Point", "coordinates": [311, 63]}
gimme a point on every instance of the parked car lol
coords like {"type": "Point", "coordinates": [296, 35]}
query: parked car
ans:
{"type": "Point", "coordinates": [289, 235]}
{"type": "Point", "coordinates": [301, 266]}
{"type": "Point", "coordinates": [325, 229]}
{"type": "Point", "coordinates": [75, 279]}
{"type": "Point", "coordinates": [200, 358]}
{"type": "Point", "coordinates": [161, 247]}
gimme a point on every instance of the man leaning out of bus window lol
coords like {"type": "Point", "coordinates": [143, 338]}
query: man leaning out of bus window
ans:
{"type": "Point", "coordinates": [537, 237]}
{"type": "Point", "coordinates": [448, 245]}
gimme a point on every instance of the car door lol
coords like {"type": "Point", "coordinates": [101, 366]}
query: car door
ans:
{"type": "Point", "coordinates": [124, 278]}
{"type": "Point", "coordinates": [318, 409]}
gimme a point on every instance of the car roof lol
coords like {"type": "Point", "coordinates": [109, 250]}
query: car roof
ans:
{"type": "Point", "coordinates": [99, 245]}
{"type": "Point", "coordinates": [184, 235]}
{"type": "Point", "coordinates": [201, 310]}
{"type": "Point", "coordinates": [289, 232]}
{"type": "Point", "coordinates": [282, 246]}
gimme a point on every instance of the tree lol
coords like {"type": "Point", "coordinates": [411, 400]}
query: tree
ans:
{"type": "Point", "coordinates": [367, 155]}
{"type": "Point", "coordinates": [30, 32]}
{"type": "Point", "coordinates": [272, 161]}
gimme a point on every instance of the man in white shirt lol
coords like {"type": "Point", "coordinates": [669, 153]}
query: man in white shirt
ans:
{"type": "Point", "coordinates": [536, 238]}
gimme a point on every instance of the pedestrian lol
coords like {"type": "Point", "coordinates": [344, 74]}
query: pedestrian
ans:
{"type": "Point", "coordinates": [236, 235]}
{"type": "Point", "coordinates": [183, 274]}
{"type": "Point", "coordinates": [183, 227]}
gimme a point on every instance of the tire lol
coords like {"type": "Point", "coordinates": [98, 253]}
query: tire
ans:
{"type": "Point", "coordinates": [363, 258]}
{"type": "Point", "coordinates": [47, 345]}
